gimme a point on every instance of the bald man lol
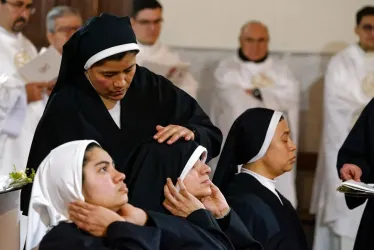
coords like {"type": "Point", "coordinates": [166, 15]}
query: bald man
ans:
{"type": "Point", "coordinates": [251, 78]}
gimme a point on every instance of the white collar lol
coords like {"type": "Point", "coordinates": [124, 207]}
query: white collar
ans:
{"type": "Point", "coordinates": [266, 182]}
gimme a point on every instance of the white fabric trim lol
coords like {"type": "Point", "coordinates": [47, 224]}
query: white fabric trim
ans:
{"type": "Point", "coordinates": [115, 113]}
{"type": "Point", "coordinates": [266, 182]}
{"type": "Point", "coordinates": [269, 136]}
{"type": "Point", "coordinates": [200, 150]}
{"type": "Point", "coordinates": [109, 52]}
{"type": "Point", "coordinates": [57, 182]}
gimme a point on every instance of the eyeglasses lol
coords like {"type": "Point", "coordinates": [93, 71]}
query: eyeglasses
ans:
{"type": "Point", "coordinates": [21, 6]}
{"type": "Point", "coordinates": [367, 28]}
{"type": "Point", "coordinates": [150, 22]}
{"type": "Point", "coordinates": [67, 29]}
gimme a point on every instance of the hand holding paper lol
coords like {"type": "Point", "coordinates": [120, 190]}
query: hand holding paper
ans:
{"type": "Point", "coordinates": [43, 68]}
{"type": "Point", "coordinates": [350, 171]}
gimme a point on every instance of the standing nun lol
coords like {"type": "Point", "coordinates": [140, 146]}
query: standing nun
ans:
{"type": "Point", "coordinates": [101, 94]}
{"type": "Point", "coordinates": [259, 141]}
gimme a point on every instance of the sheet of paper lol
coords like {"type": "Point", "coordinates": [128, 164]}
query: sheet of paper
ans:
{"type": "Point", "coordinates": [352, 185]}
{"type": "Point", "coordinates": [43, 68]}
{"type": "Point", "coordinates": [175, 72]}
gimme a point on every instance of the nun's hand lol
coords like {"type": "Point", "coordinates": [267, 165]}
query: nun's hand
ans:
{"type": "Point", "coordinates": [180, 203]}
{"type": "Point", "coordinates": [216, 203]}
{"type": "Point", "coordinates": [172, 133]}
{"type": "Point", "coordinates": [91, 218]}
{"type": "Point", "coordinates": [133, 215]}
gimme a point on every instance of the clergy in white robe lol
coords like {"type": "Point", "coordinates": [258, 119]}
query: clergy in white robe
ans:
{"type": "Point", "coordinates": [61, 23]}
{"type": "Point", "coordinates": [21, 107]}
{"type": "Point", "coordinates": [348, 87]}
{"type": "Point", "coordinates": [147, 23]}
{"type": "Point", "coordinates": [250, 79]}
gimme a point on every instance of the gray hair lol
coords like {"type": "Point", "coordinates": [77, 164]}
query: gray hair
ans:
{"type": "Point", "coordinates": [57, 12]}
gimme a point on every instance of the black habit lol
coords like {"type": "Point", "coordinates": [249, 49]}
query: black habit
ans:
{"type": "Point", "coordinates": [273, 223]}
{"type": "Point", "coordinates": [75, 111]}
{"type": "Point", "coordinates": [146, 184]}
{"type": "Point", "coordinates": [358, 149]}
{"type": "Point", "coordinates": [198, 231]}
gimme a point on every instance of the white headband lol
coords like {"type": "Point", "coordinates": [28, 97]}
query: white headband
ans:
{"type": "Point", "coordinates": [199, 151]}
{"type": "Point", "coordinates": [269, 136]}
{"type": "Point", "coordinates": [109, 52]}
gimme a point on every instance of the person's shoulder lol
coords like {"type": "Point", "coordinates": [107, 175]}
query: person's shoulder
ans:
{"type": "Point", "coordinates": [63, 100]}
{"type": "Point", "coordinates": [153, 83]}
{"type": "Point", "coordinates": [29, 44]}
{"type": "Point", "coordinates": [228, 62]}
{"type": "Point", "coordinates": [57, 233]}
{"type": "Point", "coordinates": [65, 235]}
{"type": "Point", "coordinates": [281, 66]}
{"type": "Point", "coordinates": [339, 58]}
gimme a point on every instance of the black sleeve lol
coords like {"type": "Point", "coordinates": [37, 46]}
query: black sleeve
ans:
{"type": "Point", "coordinates": [357, 149]}
{"type": "Point", "coordinates": [205, 220]}
{"type": "Point", "coordinates": [123, 235]}
{"type": "Point", "coordinates": [279, 242]}
{"type": "Point", "coordinates": [238, 234]}
{"type": "Point", "coordinates": [120, 235]}
{"type": "Point", "coordinates": [178, 233]}
{"type": "Point", "coordinates": [59, 124]}
{"type": "Point", "coordinates": [188, 113]}
{"type": "Point", "coordinates": [260, 225]}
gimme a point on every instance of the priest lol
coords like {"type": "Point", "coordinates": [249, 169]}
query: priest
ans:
{"type": "Point", "coordinates": [147, 23]}
{"type": "Point", "coordinates": [252, 78]}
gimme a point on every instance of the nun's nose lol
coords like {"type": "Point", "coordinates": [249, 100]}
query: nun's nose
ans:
{"type": "Point", "coordinates": [207, 169]}
{"type": "Point", "coordinates": [118, 177]}
{"type": "Point", "coordinates": [120, 81]}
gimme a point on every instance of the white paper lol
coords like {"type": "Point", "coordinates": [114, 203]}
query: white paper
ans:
{"type": "Point", "coordinates": [358, 186]}
{"type": "Point", "coordinates": [174, 72]}
{"type": "Point", "coordinates": [43, 68]}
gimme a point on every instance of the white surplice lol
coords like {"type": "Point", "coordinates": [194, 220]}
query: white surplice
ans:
{"type": "Point", "coordinates": [279, 90]}
{"type": "Point", "coordinates": [349, 75]}
{"type": "Point", "coordinates": [18, 121]}
{"type": "Point", "coordinates": [161, 53]}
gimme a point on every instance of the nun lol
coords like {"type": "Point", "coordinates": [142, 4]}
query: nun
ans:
{"type": "Point", "coordinates": [183, 163]}
{"type": "Point", "coordinates": [79, 201]}
{"type": "Point", "coordinates": [102, 94]}
{"type": "Point", "coordinates": [259, 144]}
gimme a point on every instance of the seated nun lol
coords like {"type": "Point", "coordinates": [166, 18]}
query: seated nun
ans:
{"type": "Point", "coordinates": [183, 163]}
{"type": "Point", "coordinates": [79, 201]}
{"type": "Point", "coordinates": [259, 142]}
{"type": "Point", "coordinates": [101, 94]}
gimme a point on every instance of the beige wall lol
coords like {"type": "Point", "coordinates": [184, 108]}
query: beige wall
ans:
{"type": "Point", "coordinates": [296, 26]}
{"type": "Point", "coordinates": [308, 68]}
